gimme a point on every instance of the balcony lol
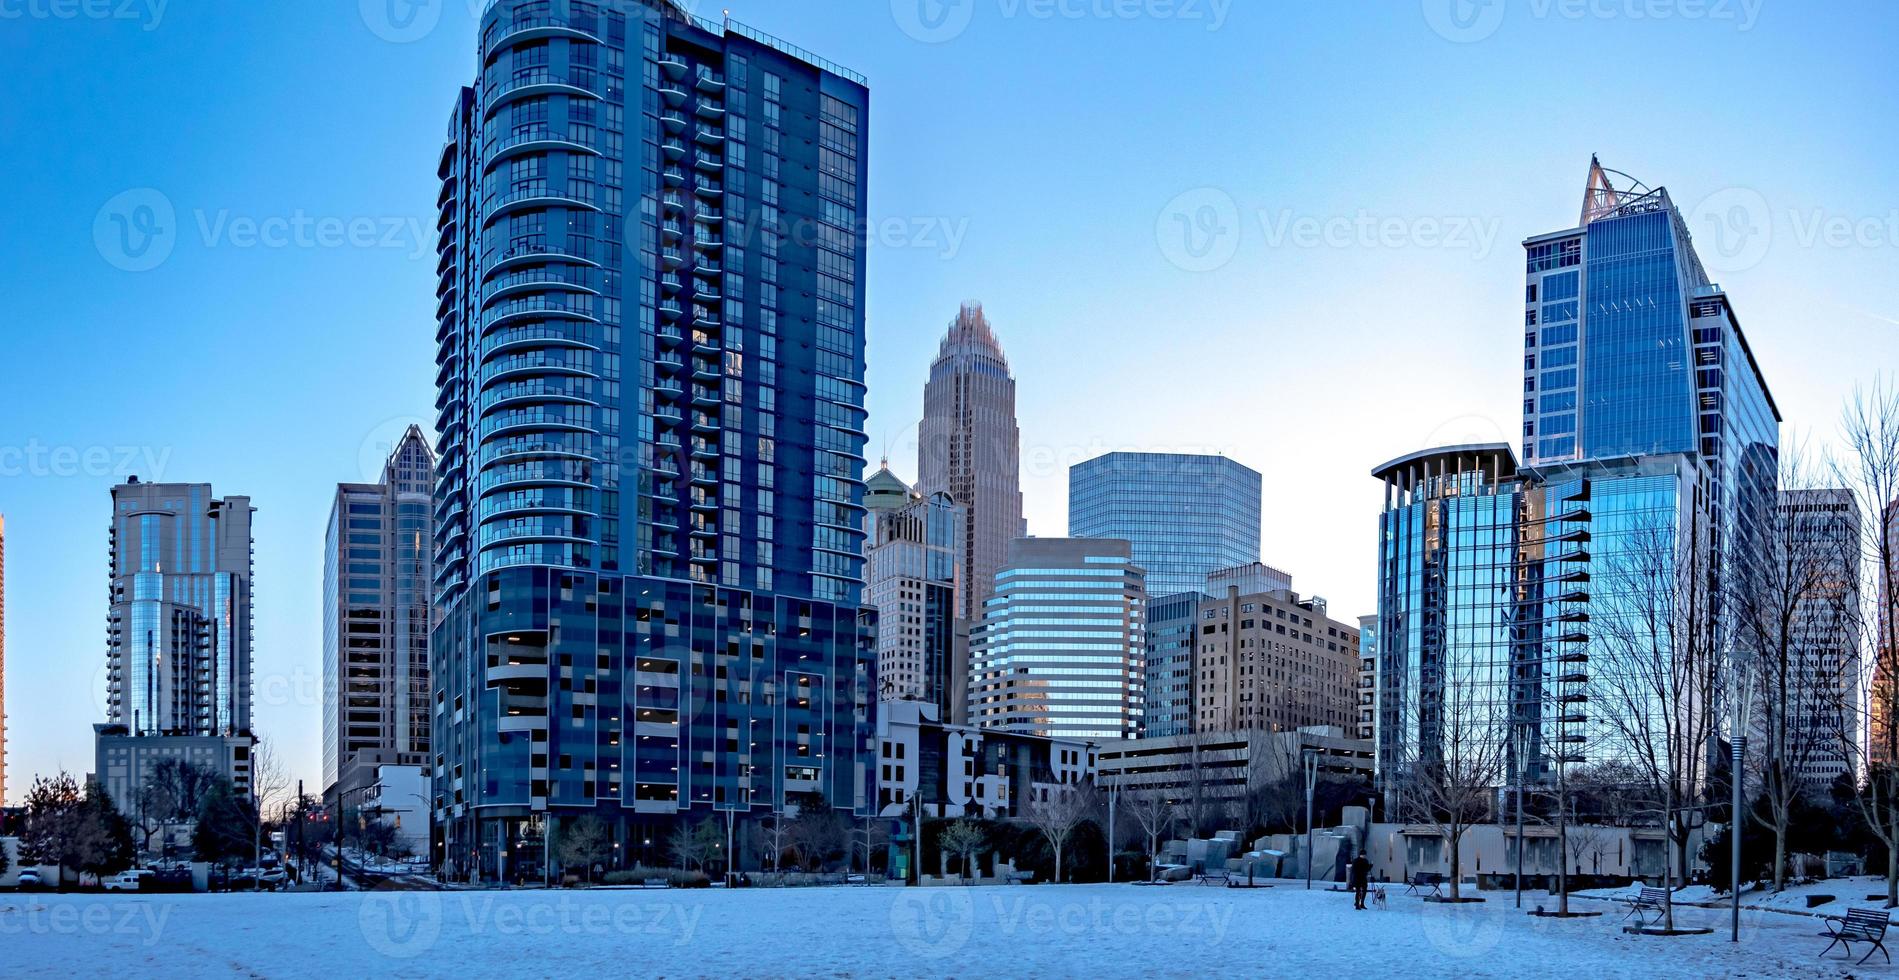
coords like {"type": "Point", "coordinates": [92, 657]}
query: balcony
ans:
{"type": "Point", "coordinates": [672, 66]}
{"type": "Point", "coordinates": [539, 81]}
{"type": "Point", "coordinates": [709, 162]}
{"type": "Point", "coordinates": [535, 29]}
{"type": "Point", "coordinates": [708, 81]}
{"type": "Point", "coordinates": [529, 198]}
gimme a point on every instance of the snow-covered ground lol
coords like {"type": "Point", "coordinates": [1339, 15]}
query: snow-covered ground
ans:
{"type": "Point", "coordinates": [1094, 931]}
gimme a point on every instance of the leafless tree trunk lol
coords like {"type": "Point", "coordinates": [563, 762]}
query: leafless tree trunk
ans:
{"type": "Point", "coordinates": [1793, 599]}
{"type": "Point", "coordinates": [1462, 725]}
{"type": "Point", "coordinates": [1066, 807]}
{"type": "Point", "coordinates": [1660, 668]}
{"type": "Point", "coordinates": [269, 784]}
{"type": "Point", "coordinates": [1869, 468]}
{"type": "Point", "coordinates": [1155, 815]}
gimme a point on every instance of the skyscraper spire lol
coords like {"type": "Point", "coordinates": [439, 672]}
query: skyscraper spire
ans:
{"type": "Point", "coordinates": [970, 447]}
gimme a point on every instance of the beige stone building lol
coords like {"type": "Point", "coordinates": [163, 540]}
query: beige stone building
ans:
{"type": "Point", "coordinates": [1273, 661]}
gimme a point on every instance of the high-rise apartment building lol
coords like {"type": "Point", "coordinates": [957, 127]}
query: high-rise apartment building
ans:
{"type": "Point", "coordinates": [1273, 661]}
{"type": "Point", "coordinates": [649, 496]}
{"type": "Point", "coordinates": [911, 579]}
{"type": "Point", "coordinates": [970, 448]}
{"type": "Point", "coordinates": [179, 630]}
{"type": "Point", "coordinates": [378, 574]}
{"type": "Point", "coordinates": [1060, 651]}
{"type": "Point", "coordinates": [1186, 515]}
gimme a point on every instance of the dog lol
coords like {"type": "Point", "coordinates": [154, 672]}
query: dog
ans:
{"type": "Point", "coordinates": [1378, 899]}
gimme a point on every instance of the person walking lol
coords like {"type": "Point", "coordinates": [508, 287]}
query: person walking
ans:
{"type": "Point", "coordinates": [1360, 877]}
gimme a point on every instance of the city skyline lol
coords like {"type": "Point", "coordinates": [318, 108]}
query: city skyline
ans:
{"type": "Point", "coordinates": [1804, 305]}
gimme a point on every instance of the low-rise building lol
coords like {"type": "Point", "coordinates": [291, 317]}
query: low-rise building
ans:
{"type": "Point", "coordinates": [1216, 770]}
{"type": "Point", "coordinates": [963, 770]}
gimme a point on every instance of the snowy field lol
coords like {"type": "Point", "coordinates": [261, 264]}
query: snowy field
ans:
{"type": "Point", "coordinates": [1094, 931]}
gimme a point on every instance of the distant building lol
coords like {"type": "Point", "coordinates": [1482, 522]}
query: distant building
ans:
{"type": "Point", "coordinates": [1185, 515]}
{"type": "Point", "coordinates": [398, 795]}
{"type": "Point", "coordinates": [1273, 661]}
{"type": "Point", "coordinates": [179, 631]}
{"type": "Point", "coordinates": [1216, 770]}
{"type": "Point", "coordinates": [1368, 677]}
{"type": "Point", "coordinates": [377, 573]}
{"type": "Point", "coordinates": [1883, 730]}
{"type": "Point", "coordinates": [1819, 534]}
{"type": "Point", "coordinates": [1250, 579]}
{"type": "Point", "coordinates": [970, 447]}
{"type": "Point", "coordinates": [961, 770]}
{"type": "Point", "coordinates": [123, 764]}
{"type": "Point", "coordinates": [1173, 624]}
{"type": "Point", "coordinates": [1061, 646]}
{"type": "Point", "coordinates": [911, 578]}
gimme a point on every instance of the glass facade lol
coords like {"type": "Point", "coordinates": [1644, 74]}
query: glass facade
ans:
{"type": "Point", "coordinates": [1186, 516]}
{"type": "Point", "coordinates": [1173, 624]}
{"type": "Point", "coordinates": [650, 377]}
{"type": "Point", "coordinates": [1060, 651]}
{"type": "Point", "coordinates": [179, 630]}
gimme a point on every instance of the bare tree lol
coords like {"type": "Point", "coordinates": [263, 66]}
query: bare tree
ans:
{"type": "Point", "coordinates": [270, 786]}
{"type": "Point", "coordinates": [1795, 600]}
{"type": "Point", "coordinates": [1057, 811]}
{"type": "Point", "coordinates": [1275, 783]}
{"type": "Point", "coordinates": [1869, 469]}
{"type": "Point", "coordinates": [1660, 666]}
{"type": "Point", "coordinates": [774, 838]}
{"type": "Point", "coordinates": [1155, 814]}
{"type": "Point", "coordinates": [1462, 723]}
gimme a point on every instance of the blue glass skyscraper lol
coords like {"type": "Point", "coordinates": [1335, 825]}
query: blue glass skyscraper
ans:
{"type": "Point", "coordinates": [651, 384]}
{"type": "Point", "coordinates": [1185, 515]}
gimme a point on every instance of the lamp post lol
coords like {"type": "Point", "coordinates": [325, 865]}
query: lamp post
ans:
{"type": "Point", "coordinates": [1519, 750]}
{"type": "Point", "coordinates": [1312, 779]}
{"type": "Point", "coordinates": [1742, 690]}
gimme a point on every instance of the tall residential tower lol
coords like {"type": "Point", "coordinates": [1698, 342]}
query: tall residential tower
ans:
{"type": "Point", "coordinates": [970, 448]}
{"type": "Point", "coordinates": [649, 500]}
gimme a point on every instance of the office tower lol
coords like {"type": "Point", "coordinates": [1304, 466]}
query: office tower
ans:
{"type": "Point", "coordinates": [3, 659]}
{"type": "Point", "coordinates": [1061, 646]}
{"type": "Point", "coordinates": [969, 447]}
{"type": "Point", "coordinates": [1448, 550]}
{"type": "Point", "coordinates": [179, 629]}
{"type": "Point", "coordinates": [1273, 661]}
{"type": "Point", "coordinates": [911, 580]}
{"type": "Point", "coordinates": [1648, 421]}
{"type": "Point", "coordinates": [1806, 615]}
{"type": "Point", "coordinates": [1187, 516]}
{"type": "Point", "coordinates": [378, 560]}
{"type": "Point", "coordinates": [649, 500]}
{"type": "Point", "coordinates": [1172, 627]}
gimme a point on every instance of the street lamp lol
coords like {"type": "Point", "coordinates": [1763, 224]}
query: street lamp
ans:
{"type": "Point", "coordinates": [1743, 694]}
{"type": "Point", "coordinates": [1312, 779]}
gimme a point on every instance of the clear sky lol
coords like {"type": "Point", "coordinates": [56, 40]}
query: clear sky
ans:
{"type": "Point", "coordinates": [1289, 232]}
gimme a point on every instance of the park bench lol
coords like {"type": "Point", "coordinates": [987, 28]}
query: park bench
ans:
{"type": "Point", "coordinates": [1858, 926]}
{"type": "Point", "coordinates": [1019, 877]}
{"type": "Point", "coordinates": [655, 883]}
{"type": "Point", "coordinates": [1426, 879]}
{"type": "Point", "coordinates": [1215, 876]}
{"type": "Point", "coordinates": [1641, 906]}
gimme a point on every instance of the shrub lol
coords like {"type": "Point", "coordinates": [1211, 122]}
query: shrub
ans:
{"type": "Point", "coordinates": [674, 878]}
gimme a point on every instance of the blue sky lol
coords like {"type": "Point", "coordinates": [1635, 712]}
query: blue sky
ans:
{"type": "Point", "coordinates": [1288, 232]}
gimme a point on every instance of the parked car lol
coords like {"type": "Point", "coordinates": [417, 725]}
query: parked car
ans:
{"type": "Point", "coordinates": [29, 878]}
{"type": "Point", "coordinates": [127, 882]}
